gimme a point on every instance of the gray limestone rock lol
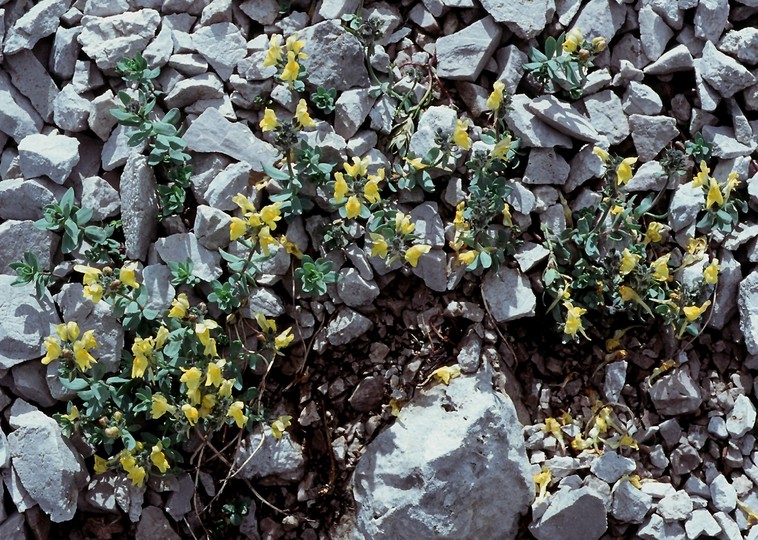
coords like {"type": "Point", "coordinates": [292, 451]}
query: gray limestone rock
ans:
{"type": "Point", "coordinates": [100, 119]}
{"type": "Point", "coordinates": [368, 395]}
{"type": "Point", "coordinates": [675, 507]}
{"type": "Point", "coordinates": [187, 91]}
{"type": "Point", "coordinates": [687, 201]}
{"type": "Point", "coordinates": [656, 528]}
{"type": "Point", "coordinates": [27, 321]}
{"type": "Point", "coordinates": [741, 419]}
{"type": "Point", "coordinates": [335, 57]}
{"type": "Point", "coordinates": [545, 167]}
{"type": "Point", "coordinates": [25, 199]}
{"type": "Point", "coordinates": [508, 295]}
{"type": "Point", "coordinates": [730, 276]}
{"type": "Point", "coordinates": [649, 176]}
{"type": "Point", "coordinates": [139, 206]}
{"type": "Point", "coordinates": [38, 22]}
{"type": "Point", "coordinates": [273, 461]}
{"type": "Point", "coordinates": [676, 393]}
{"type": "Point", "coordinates": [434, 120]}
{"type": "Point", "coordinates": [511, 62]}
{"type": "Point", "coordinates": [677, 59]}
{"type": "Point", "coordinates": [742, 44]}
{"type": "Point", "coordinates": [116, 149]}
{"type": "Point", "coordinates": [211, 132]}
{"type": "Point", "coordinates": [70, 110]}
{"type": "Point", "coordinates": [630, 505]}
{"type": "Point", "coordinates": [607, 115]}
{"type": "Point", "coordinates": [32, 80]}
{"type": "Point", "coordinates": [701, 522]}
{"type": "Point", "coordinates": [18, 237]}
{"type": "Point", "coordinates": [723, 72]}
{"type": "Point", "coordinates": [531, 130]}
{"type": "Point", "coordinates": [711, 19]}
{"type": "Point", "coordinates": [600, 18]}
{"type": "Point", "coordinates": [156, 278]}
{"type": "Point", "coordinates": [100, 196]}
{"type": "Point", "coordinates": [346, 326]}
{"type": "Point", "coordinates": [438, 472]}
{"type": "Point", "coordinates": [351, 109]}
{"type": "Point", "coordinates": [49, 469]}
{"type": "Point", "coordinates": [723, 494]}
{"type": "Point", "coordinates": [725, 144]}
{"type": "Point", "coordinates": [432, 268]}
{"type": "Point", "coordinates": [109, 39]}
{"type": "Point", "coordinates": [227, 184]}
{"type": "Point", "coordinates": [429, 226]}
{"type": "Point", "coordinates": [50, 155]}
{"type": "Point", "coordinates": [463, 55]}
{"type": "Point", "coordinates": [212, 227]}
{"type": "Point", "coordinates": [18, 118]}
{"type": "Point", "coordinates": [154, 524]}
{"type": "Point", "coordinates": [560, 519]}
{"type": "Point", "coordinates": [29, 383]}
{"type": "Point", "coordinates": [651, 134]}
{"type": "Point", "coordinates": [64, 52]}
{"type": "Point", "coordinates": [641, 99]}
{"type": "Point", "coordinates": [564, 118]}
{"type": "Point", "coordinates": [654, 32]}
{"type": "Point", "coordinates": [222, 45]}
{"type": "Point", "coordinates": [526, 18]}
{"type": "Point", "coordinates": [262, 11]}
{"type": "Point", "coordinates": [354, 290]}
{"type": "Point", "coordinates": [610, 466]}
{"type": "Point", "coordinates": [180, 247]}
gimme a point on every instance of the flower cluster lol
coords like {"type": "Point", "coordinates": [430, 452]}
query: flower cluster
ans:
{"type": "Point", "coordinates": [257, 226]}
{"type": "Point", "coordinates": [99, 282]}
{"type": "Point", "coordinates": [67, 347]}
{"type": "Point", "coordinates": [721, 204]}
{"type": "Point", "coordinates": [393, 243]}
{"type": "Point", "coordinates": [287, 59]}
{"type": "Point", "coordinates": [355, 190]}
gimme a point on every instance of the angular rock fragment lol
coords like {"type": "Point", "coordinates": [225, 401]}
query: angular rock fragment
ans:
{"type": "Point", "coordinates": [463, 55]}
{"type": "Point", "coordinates": [723, 72]}
{"type": "Point", "coordinates": [508, 295]}
{"type": "Point", "coordinates": [531, 130]}
{"type": "Point", "coordinates": [651, 134]}
{"type": "Point", "coordinates": [180, 247]}
{"type": "Point", "coordinates": [273, 461]}
{"type": "Point", "coordinates": [545, 167]}
{"type": "Point", "coordinates": [50, 155]}
{"type": "Point", "coordinates": [607, 115]}
{"type": "Point", "coordinates": [676, 393]}
{"type": "Point", "coordinates": [38, 22]}
{"type": "Point", "coordinates": [526, 18]}
{"type": "Point", "coordinates": [18, 118]}
{"type": "Point", "coordinates": [453, 448]}
{"type": "Point", "coordinates": [18, 237]}
{"type": "Point", "coordinates": [347, 326]}
{"type": "Point", "coordinates": [30, 77]}
{"type": "Point", "coordinates": [139, 206]}
{"type": "Point", "coordinates": [335, 57]}
{"type": "Point", "coordinates": [222, 45]}
{"type": "Point", "coordinates": [560, 518]}
{"type": "Point", "coordinates": [677, 59]}
{"type": "Point", "coordinates": [109, 39]}
{"type": "Point", "coordinates": [564, 118]}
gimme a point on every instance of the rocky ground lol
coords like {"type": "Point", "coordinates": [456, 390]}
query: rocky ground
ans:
{"type": "Point", "coordinates": [379, 446]}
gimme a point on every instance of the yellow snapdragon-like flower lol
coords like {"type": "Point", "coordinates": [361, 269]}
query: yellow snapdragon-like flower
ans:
{"type": "Point", "coordinates": [215, 374]}
{"type": "Point", "coordinates": [270, 214]}
{"type": "Point", "coordinates": [179, 307]}
{"type": "Point", "coordinates": [341, 188]}
{"type": "Point", "coordinates": [284, 339]}
{"type": "Point", "coordinates": [628, 261]}
{"type": "Point", "coordinates": [161, 406]}
{"type": "Point", "coordinates": [206, 407]}
{"type": "Point", "coordinates": [353, 207]}
{"type": "Point", "coordinates": [269, 121]}
{"type": "Point", "coordinates": [702, 177]}
{"type": "Point", "coordinates": [507, 217]}
{"type": "Point", "coordinates": [467, 257]}
{"type": "Point", "coordinates": [573, 40]}
{"type": "Point", "coordinates": [67, 331]}
{"type": "Point", "coordinates": [711, 272]}
{"type": "Point", "coordinates": [302, 116]}
{"type": "Point", "coordinates": [296, 46]}
{"type": "Point", "coordinates": [379, 245]}
{"type": "Point", "coordinates": [495, 99]}
{"type": "Point", "coordinates": [693, 312]}
{"type": "Point", "coordinates": [291, 68]}
{"type": "Point", "coordinates": [601, 153]}
{"type": "Point", "coordinates": [660, 268]}
{"type": "Point", "coordinates": [53, 350]}
{"type": "Point", "coordinates": [599, 44]}
{"type": "Point", "coordinates": [225, 390]}
{"type": "Point", "coordinates": [624, 170]}
{"type": "Point", "coordinates": [82, 357]}
{"type": "Point", "coordinates": [445, 374]}
{"type": "Point", "coordinates": [358, 168]}
{"type": "Point", "coordinates": [101, 465]}
{"type": "Point", "coordinates": [417, 163]}
{"type": "Point", "coordinates": [371, 191]}
{"type": "Point", "coordinates": [502, 147]}
{"type": "Point", "coordinates": [236, 412]}
{"type": "Point", "coordinates": [573, 319]}
{"type": "Point", "coordinates": [127, 275]}
{"type": "Point", "coordinates": [413, 253]}
{"type": "Point", "coordinates": [731, 183]}
{"type": "Point", "coordinates": [191, 378]}
{"type": "Point", "coordinates": [403, 224]}
{"type": "Point", "coordinates": [460, 134]}
{"type": "Point", "coordinates": [714, 194]}
{"type": "Point", "coordinates": [203, 333]}
{"type": "Point", "coordinates": [91, 275]}
{"type": "Point", "coordinates": [237, 228]}
{"type": "Point", "coordinates": [653, 232]}
{"type": "Point", "coordinates": [279, 425]}
{"type": "Point", "coordinates": [542, 479]}
{"type": "Point", "coordinates": [190, 413]}
{"type": "Point", "coordinates": [142, 349]}
{"type": "Point", "coordinates": [136, 472]}
{"type": "Point", "coordinates": [158, 458]}
{"type": "Point", "coordinates": [266, 240]}
{"type": "Point", "coordinates": [274, 54]}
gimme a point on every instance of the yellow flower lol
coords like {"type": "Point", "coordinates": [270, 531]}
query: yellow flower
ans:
{"type": "Point", "coordinates": [159, 459]}
{"type": "Point", "coordinates": [340, 187]}
{"type": "Point", "coordinates": [601, 153]}
{"type": "Point", "coordinates": [137, 476]}
{"type": "Point", "coordinates": [237, 228]}
{"type": "Point", "coordinates": [446, 374]}
{"type": "Point", "coordinates": [94, 292]}
{"type": "Point", "coordinates": [702, 177]}
{"type": "Point", "coordinates": [127, 275]}
{"type": "Point", "coordinates": [714, 194]}
{"type": "Point", "coordinates": [139, 365]}
{"type": "Point", "coordinates": [416, 163]}
{"type": "Point", "coordinates": [653, 233]}
{"type": "Point", "coordinates": [496, 97]}
{"type": "Point", "coordinates": [628, 294]}
{"type": "Point", "coordinates": [53, 350]}
{"type": "Point", "coordinates": [73, 414]}
{"type": "Point", "coordinates": [291, 69]}
{"type": "Point", "coordinates": [731, 183]}
{"type": "Point", "coordinates": [358, 168]}
{"type": "Point", "coordinates": [269, 121]}
{"type": "Point", "coordinates": [236, 412]}
{"type": "Point", "coordinates": [161, 406]}
{"type": "Point", "coordinates": [206, 408]}
{"type": "Point", "coordinates": [371, 191]}
{"type": "Point", "coordinates": [628, 261]}
{"type": "Point", "coordinates": [693, 312]}
{"type": "Point", "coordinates": [82, 357]}
{"type": "Point", "coordinates": [215, 375]}
{"type": "Point", "coordinates": [353, 207]}
{"type": "Point", "coordinates": [660, 268]}
{"type": "Point", "coordinates": [573, 40]}
{"type": "Point", "coordinates": [101, 465]}
{"type": "Point", "coordinates": [190, 413]}
{"type": "Point", "coordinates": [711, 272]}
{"type": "Point", "coordinates": [624, 170]}
{"type": "Point", "coordinates": [459, 221]}
{"type": "Point", "coordinates": [245, 205]}
{"type": "Point", "coordinates": [501, 148]}
{"type": "Point", "coordinates": [507, 217]}
{"type": "Point", "coordinates": [91, 275]}
{"type": "Point", "coordinates": [290, 247]}
{"type": "Point", "coordinates": [403, 224]}
{"type": "Point", "coordinates": [225, 390]}
{"type": "Point", "coordinates": [460, 134]}
{"type": "Point", "coordinates": [88, 339]}
{"type": "Point", "coordinates": [67, 331]}
{"type": "Point", "coordinates": [542, 479]}
{"type": "Point", "coordinates": [279, 425]}
{"type": "Point", "coordinates": [414, 252]}
{"type": "Point", "coordinates": [379, 245]}
{"type": "Point", "coordinates": [266, 240]}
{"type": "Point", "coordinates": [573, 320]}
{"type": "Point", "coordinates": [284, 339]}
{"type": "Point", "coordinates": [696, 246]}
{"type": "Point", "coordinates": [296, 46]}
{"type": "Point", "coordinates": [127, 461]}
{"type": "Point", "coordinates": [616, 209]}
{"type": "Point", "coordinates": [274, 54]}
{"type": "Point", "coordinates": [202, 331]}
{"type": "Point", "coordinates": [467, 257]}
{"type": "Point", "coordinates": [302, 116]}
{"type": "Point", "coordinates": [179, 307]}
{"type": "Point", "coordinates": [191, 378]}
{"type": "Point", "coordinates": [267, 326]}
{"type": "Point", "coordinates": [160, 337]}
{"type": "Point", "coordinates": [599, 44]}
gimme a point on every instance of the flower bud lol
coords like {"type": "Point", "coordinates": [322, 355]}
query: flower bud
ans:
{"type": "Point", "coordinates": [116, 283]}
{"type": "Point", "coordinates": [584, 55]}
{"type": "Point", "coordinates": [112, 432]}
{"type": "Point", "coordinates": [599, 44]}
{"type": "Point", "coordinates": [107, 270]}
{"type": "Point", "coordinates": [117, 416]}
{"type": "Point", "coordinates": [103, 421]}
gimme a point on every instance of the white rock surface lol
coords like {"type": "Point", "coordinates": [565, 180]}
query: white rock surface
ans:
{"type": "Point", "coordinates": [50, 155]}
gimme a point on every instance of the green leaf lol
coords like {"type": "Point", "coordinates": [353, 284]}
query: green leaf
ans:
{"type": "Point", "coordinates": [275, 173]}
{"type": "Point", "coordinates": [550, 47]}
{"type": "Point", "coordinates": [172, 117]}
